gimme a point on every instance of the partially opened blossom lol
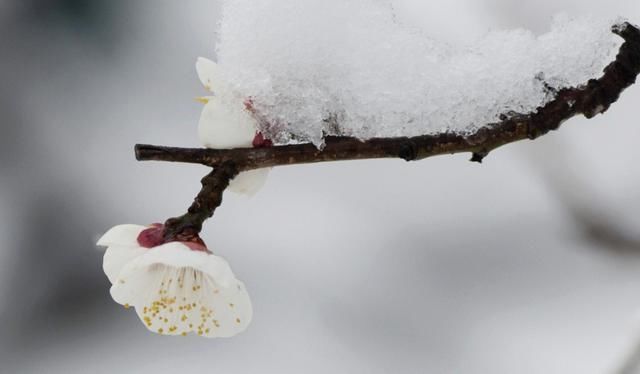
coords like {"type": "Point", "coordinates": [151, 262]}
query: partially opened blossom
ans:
{"type": "Point", "coordinates": [176, 288]}
{"type": "Point", "coordinates": [226, 123]}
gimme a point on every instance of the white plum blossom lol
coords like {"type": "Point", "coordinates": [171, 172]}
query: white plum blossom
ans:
{"type": "Point", "coordinates": [176, 288]}
{"type": "Point", "coordinates": [226, 123]}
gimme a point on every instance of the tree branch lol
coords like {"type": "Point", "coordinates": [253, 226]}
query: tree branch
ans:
{"type": "Point", "coordinates": [187, 227]}
{"type": "Point", "coordinates": [590, 99]}
{"type": "Point", "coordinates": [594, 97]}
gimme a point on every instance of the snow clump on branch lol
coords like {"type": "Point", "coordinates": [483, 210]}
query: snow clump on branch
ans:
{"type": "Point", "coordinates": [315, 68]}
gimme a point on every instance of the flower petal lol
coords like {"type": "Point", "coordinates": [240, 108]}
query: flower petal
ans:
{"type": "Point", "coordinates": [209, 74]}
{"type": "Point", "coordinates": [232, 308]}
{"type": "Point", "coordinates": [116, 257]}
{"type": "Point", "coordinates": [138, 276]}
{"type": "Point", "coordinates": [178, 255]}
{"type": "Point", "coordinates": [122, 235]}
{"type": "Point", "coordinates": [225, 125]}
{"type": "Point", "coordinates": [188, 301]}
{"type": "Point", "coordinates": [249, 182]}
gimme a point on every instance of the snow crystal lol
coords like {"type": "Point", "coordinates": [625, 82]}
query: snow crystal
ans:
{"type": "Point", "coordinates": [313, 68]}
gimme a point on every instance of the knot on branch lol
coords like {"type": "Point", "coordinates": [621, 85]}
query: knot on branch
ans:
{"type": "Point", "coordinates": [408, 150]}
{"type": "Point", "coordinates": [479, 156]}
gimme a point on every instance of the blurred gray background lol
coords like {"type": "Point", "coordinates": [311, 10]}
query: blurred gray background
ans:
{"type": "Point", "coordinates": [529, 263]}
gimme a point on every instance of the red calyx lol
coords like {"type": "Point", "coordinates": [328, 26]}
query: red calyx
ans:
{"type": "Point", "coordinates": [261, 142]}
{"type": "Point", "coordinates": [154, 236]}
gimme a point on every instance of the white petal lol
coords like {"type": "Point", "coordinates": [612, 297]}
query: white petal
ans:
{"type": "Point", "coordinates": [187, 301]}
{"type": "Point", "coordinates": [179, 255]}
{"type": "Point", "coordinates": [116, 257]}
{"type": "Point", "coordinates": [122, 235]}
{"type": "Point", "coordinates": [225, 125]}
{"type": "Point", "coordinates": [233, 311]}
{"type": "Point", "coordinates": [134, 286]}
{"type": "Point", "coordinates": [210, 74]}
{"type": "Point", "coordinates": [249, 182]}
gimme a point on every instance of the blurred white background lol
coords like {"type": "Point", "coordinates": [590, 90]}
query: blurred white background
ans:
{"type": "Point", "coordinates": [528, 263]}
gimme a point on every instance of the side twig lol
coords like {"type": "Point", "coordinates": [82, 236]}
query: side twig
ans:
{"type": "Point", "coordinates": [187, 227]}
